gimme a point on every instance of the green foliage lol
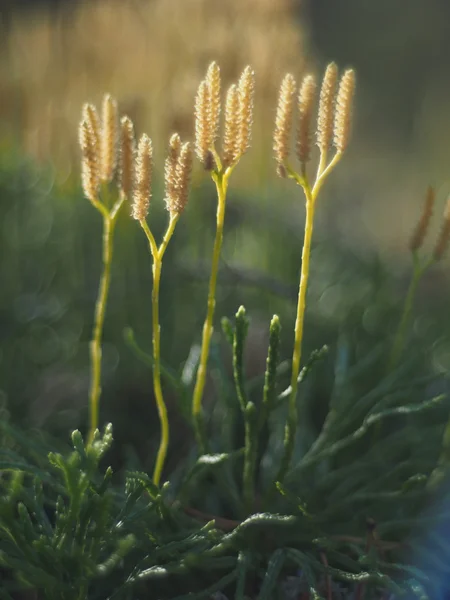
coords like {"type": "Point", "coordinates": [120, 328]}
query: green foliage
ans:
{"type": "Point", "coordinates": [70, 529]}
{"type": "Point", "coordinates": [59, 535]}
{"type": "Point", "coordinates": [351, 515]}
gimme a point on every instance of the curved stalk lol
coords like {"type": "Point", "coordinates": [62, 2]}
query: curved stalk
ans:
{"type": "Point", "coordinates": [158, 254]}
{"type": "Point", "coordinates": [162, 409]}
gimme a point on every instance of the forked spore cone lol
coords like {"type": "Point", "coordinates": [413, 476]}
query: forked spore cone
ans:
{"type": "Point", "coordinates": [238, 119]}
{"type": "Point", "coordinates": [177, 171]}
{"type": "Point", "coordinates": [334, 118]}
{"type": "Point", "coordinates": [177, 174]}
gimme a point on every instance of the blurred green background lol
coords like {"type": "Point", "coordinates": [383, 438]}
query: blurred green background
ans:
{"type": "Point", "coordinates": [151, 55]}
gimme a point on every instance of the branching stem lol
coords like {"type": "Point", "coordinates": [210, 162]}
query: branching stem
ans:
{"type": "Point", "coordinates": [311, 197]}
{"type": "Point", "coordinates": [158, 254]}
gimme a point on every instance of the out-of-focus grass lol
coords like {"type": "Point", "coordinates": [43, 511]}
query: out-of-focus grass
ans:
{"type": "Point", "coordinates": [151, 55]}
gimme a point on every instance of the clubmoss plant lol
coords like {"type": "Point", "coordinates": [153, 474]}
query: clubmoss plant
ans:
{"type": "Point", "coordinates": [333, 127]}
{"type": "Point", "coordinates": [98, 142]}
{"type": "Point", "coordinates": [236, 141]}
{"type": "Point", "coordinates": [420, 266]}
{"type": "Point", "coordinates": [337, 522]}
{"type": "Point", "coordinates": [177, 173]}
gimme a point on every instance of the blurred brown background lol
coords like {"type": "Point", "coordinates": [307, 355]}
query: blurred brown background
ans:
{"type": "Point", "coordinates": [151, 54]}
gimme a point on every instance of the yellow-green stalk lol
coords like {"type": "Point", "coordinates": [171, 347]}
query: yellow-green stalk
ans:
{"type": "Point", "coordinates": [177, 173]}
{"type": "Point", "coordinates": [238, 122]}
{"type": "Point", "coordinates": [338, 130]}
{"type": "Point", "coordinates": [92, 136]}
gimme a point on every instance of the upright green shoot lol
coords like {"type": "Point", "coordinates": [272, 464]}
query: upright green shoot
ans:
{"type": "Point", "coordinates": [177, 173]}
{"type": "Point", "coordinates": [238, 121]}
{"type": "Point", "coordinates": [98, 142]}
{"type": "Point", "coordinates": [333, 127]}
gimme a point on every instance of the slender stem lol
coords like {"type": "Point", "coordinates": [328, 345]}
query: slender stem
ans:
{"type": "Point", "coordinates": [311, 197]}
{"type": "Point", "coordinates": [109, 222]}
{"type": "Point", "coordinates": [158, 254]}
{"type": "Point", "coordinates": [291, 424]}
{"type": "Point", "coordinates": [162, 410]}
{"type": "Point", "coordinates": [221, 182]}
{"type": "Point", "coordinates": [99, 319]}
{"type": "Point", "coordinates": [169, 232]}
{"type": "Point", "coordinates": [399, 340]}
